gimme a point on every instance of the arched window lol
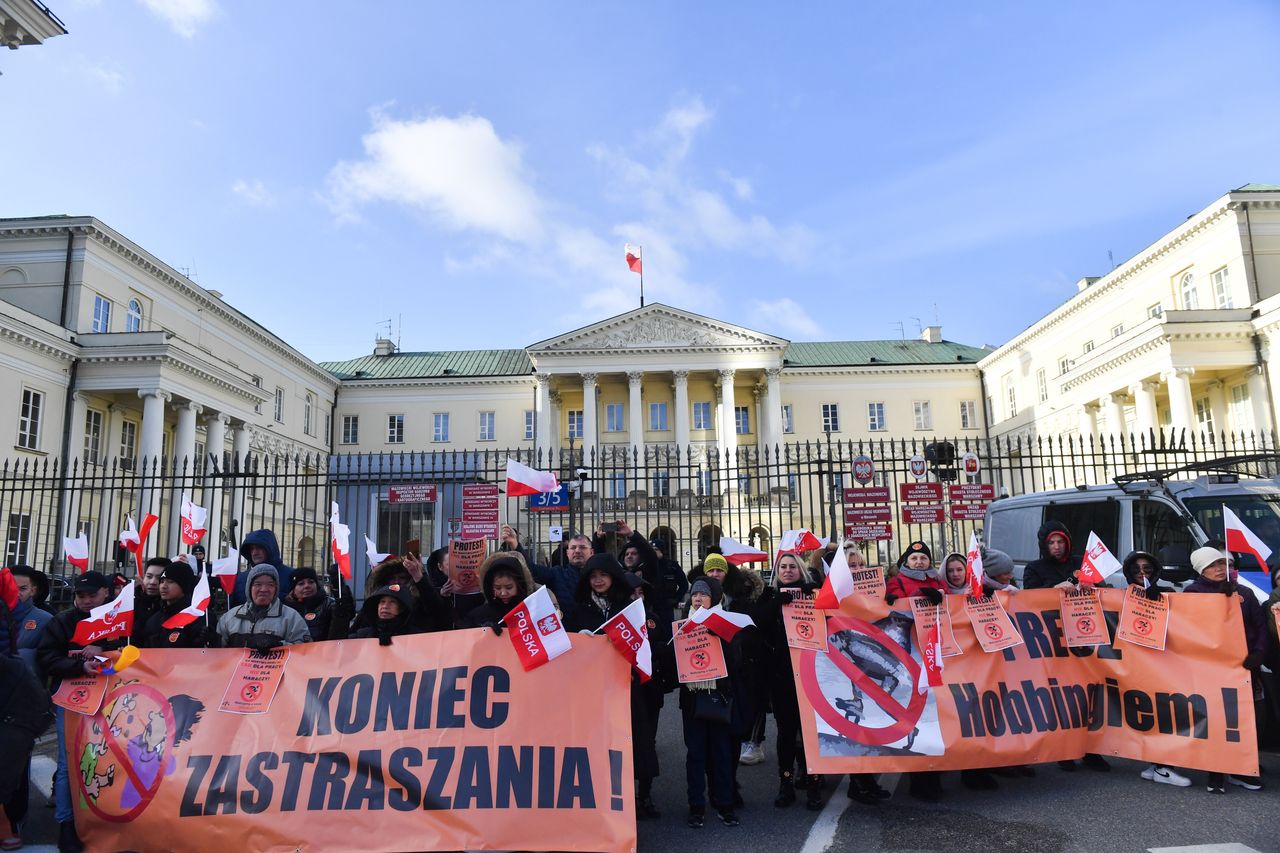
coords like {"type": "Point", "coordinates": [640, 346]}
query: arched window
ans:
{"type": "Point", "coordinates": [306, 413]}
{"type": "Point", "coordinates": [1188, 286]}
{"type": "Point", "coordinates": [133, 321]}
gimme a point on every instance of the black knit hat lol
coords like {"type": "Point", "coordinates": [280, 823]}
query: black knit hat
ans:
{"type": "Point", "coordinates": [303, 574]}
{"type": "Point", "coordinates": [606, 563]}
{"type": "Point", "coordinates": [916, 547]}
{"type": "Point", "coordinates": [181, 574]}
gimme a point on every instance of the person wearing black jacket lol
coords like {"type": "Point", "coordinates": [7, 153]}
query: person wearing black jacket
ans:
{"type": "Point", "coordinates": [602, 593]}
{"type": "Point", "coordinates": [315, 606]}
{"type": "Point", "coordinates": [1057, 566]}
{"type": "Point", "coordinates": [176, 585]}
{"type": "Point", "coordinates": [505, 581]}
{"type": "Point", "coordinates": [671, 586]}
{"type": "Point", "coordinates": [59, 657]}
{"type": "Point", "coordinates": [146, 598]}
{"type": "Point", "coordinates": [430, 610]}
{"type": "Point", "coordinates": [646, 704]}
{"type": "Point", "coordinates": [388, 612]}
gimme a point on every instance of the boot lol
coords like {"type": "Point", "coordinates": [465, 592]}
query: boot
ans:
{"type": "Point", "coordinates": [813, 793]}
{"type": "Point", "coordinates": [978, 780]}
{"type": "Point", "coordinates": [925, 786]}
{"type": "Point", "coordinates": [786, 791]}
{"type": "Point", "coordinates": [68, 840]}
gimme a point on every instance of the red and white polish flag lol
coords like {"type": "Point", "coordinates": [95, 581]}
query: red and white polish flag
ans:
{"type": "Point", "coordinates": [799, 542]}
{"type": "Point", "coordinates": [196, 610]}
{"type": "Point", "coordinates": [536, 630]}
{"type": "Point", "coordinates": [1242, 540]}
{"type": "Point", "coordinates": [932, 655]}
{"type": "Point", "coordinates": [194, 521]}
{"type": "Point", "coordinates": [723, 623]}
{"type": "Point", "coordinates": [1098, 563]}
{"type": "Point", "coordinates": [225, 570]}
{"type": "Point", "coordinates": [107, 621]}
{"type": "Point", "coordinates": [134, 539]}
{"type": "Point", "coordinates": [372, 553]}
{"type": "Point", "coordinates": [523, 480]}
{"type": "Point", "coordinates": [737, 553]}
{"type": "Point", "coordinates": [629, 633]}
{"type": "Point", "coordinates": [77, 551]}
{"type": "Point", "coordinates": [340, 541]}
{"type": "Point", "coordinates": [838, 584]}
{"type": "Point", "coordinates": [973, 566]}
{"type": "Point", "coordinates": [635, 258]}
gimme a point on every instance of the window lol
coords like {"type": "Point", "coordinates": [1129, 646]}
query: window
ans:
{"type": "Point", "coordinates": [29, 419]}
{"type": "Point", "coordinates": [351, 429]}
{"type": "Point", "coordinates": [1064, 365]}
{"type": "Point", "coordinates": [1204, 415]}
{"type": "Point", "coordinates": [530, 424]}
{"type": "Point", "coordinates": [440, 426]}
{"type": "Point", "coordinates": [1241, 413]}
{"type": "Point", "coordinates": [614, 415]}
{"type": "Point", "coordinates": [575, 423]}
{"type": "Point", "coordinates": [1157, 526]}
{"type": "Point", "coordinates": [742, 420]}
{"type": "Point", "coordinates": [922, 414]}
{"type": "Point", "coordinates": [18, 539]}
{"type": "Point", "coordinates": [257, 407]}
{"type": "Point", "coordinates": [1010, 395]}
{"type": "Point", "coordinates": [793, 486]}
{"type": "Point", "coordinates": [1155, 312]}
{"type": "Point", "coordinates": [328, 426]}
{"type": "Point", "coordinates": [1117, 331]}
{"type": "Point", "coordinates": [618, 484]}
{"type": "Point", "coordinates": [704, 482]}
{"type": "Point", "coordinates": [875, 417]}
{"type": "Point", "coordinates": [133, 319]}
{"type": "Point", "coordinates": [1221, 288]}
{"type": "Point", "coordinates": [658, 417]}
{"type": "Point", "coordinates": [968, 414]}
{"type": "Point", "coordinates": [395, 429]}
{"type": "Point", "coordinates": [744, 484]}
{"type": "Point", "coordinates": [128, 444]}
{"type": "Point", "coordinates": [197, 460]}
{"type": "Point", "coordinates": [661, 484]}
{"type": "Point", "coordinates": [831, 417]}
{"type": "Point", "coordinates": [702, 415]}
{"type": "Point", "coordinates": [280, 405]}
{"type": "Point", "coordinates": [92, 437]}
{"type": "Point", "coordinates": [308, 405]}
{"type": "Point", "coordinates": [788, 419]}
{"type": "Point", "coordinates": [1042, 386]}
{"type": "Point", "coordinates": [101, 314]}
{"type": "Point", "coordinates": [1187, 286]}
{"type": "Point", "coordinates": [1101, 517]}
{"type": "Point", "coordinates": [488, 428]}
{"type": "Point", "coordinates": [1088, 347]}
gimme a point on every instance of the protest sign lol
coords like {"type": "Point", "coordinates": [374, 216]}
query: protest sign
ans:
{"type": "Point", "coordinates": [802, 623]}
{"type": "Point", "coordinates": [82, 695]}
{"type": "Point", "coordinates": [1083, 621]}
{"type": "Point", "coordinates": [465, 557]}
{"type": "Point", "coordinates": [699, 655]}
{"type": "Point", "coordinates": [991, 624]}
{"type": "Point", "coordinates": [254, 682]}
{"type": "Point", "coordinates": [1143, 621]}
{"type": "Point", "coordinates": [926, 615]}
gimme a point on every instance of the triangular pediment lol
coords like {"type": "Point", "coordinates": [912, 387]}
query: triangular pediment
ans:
{"type": "Point", "coordinates": [658, 328]}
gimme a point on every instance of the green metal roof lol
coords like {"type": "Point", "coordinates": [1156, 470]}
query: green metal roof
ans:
{"type": "Point", "coordinates": [851, 353]}
{"type": "Point", "coordinates": [433, 365]}
{"type": "Point", "coordinates": [1258, 188]}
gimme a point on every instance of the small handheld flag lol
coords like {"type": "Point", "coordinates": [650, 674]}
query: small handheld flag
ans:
{"type": "Point", "coordinates": [1243, 540]}
{"type": "Point", "coordinates": [340, 541]}
{"type": "Point", "coordinates": [77, 551]}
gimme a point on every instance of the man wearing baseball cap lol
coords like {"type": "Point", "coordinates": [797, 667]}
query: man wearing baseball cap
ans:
{"type": "Point", "coordinates": [59, 657]}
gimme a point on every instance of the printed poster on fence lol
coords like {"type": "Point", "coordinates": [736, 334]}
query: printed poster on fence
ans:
{"type": "Point", "coordinates": [866, 707]}
{"type": "Point", "coordinates": [803, 624]}
{"type": "Point", "coordinates": [437, 742]}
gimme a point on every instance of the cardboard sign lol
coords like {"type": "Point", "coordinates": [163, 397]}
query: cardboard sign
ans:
{"type": "Point", "coordinates": [465, 557]}
{"type": "Point", "coordinates": [82, 695]}
{"type": "Point", "coordinates": [699, 656]}
{"type": "Point", "coordinates": [991, 624]}
{"type": "Point", "coordinates": [926, 616]}
{"type": "Point", "coordinates": [868, 581]}
{"type": "Point", "coordinates": [254, 681]}
{"type": "Point", "coordinates": [1143, 622]}
{"type": "Point", "coordinates": [805, 627]}
{"type": "Point", "coordinates": [1082, 621]}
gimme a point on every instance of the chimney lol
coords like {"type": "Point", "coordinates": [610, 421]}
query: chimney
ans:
{"type": "Point", "coordinates": [931, 335]}
{"type": "Point", "coordinates": [1085, 282]}
{"type": "Point", "coordinates": [383, 347]}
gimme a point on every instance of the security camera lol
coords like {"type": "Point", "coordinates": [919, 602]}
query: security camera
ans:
{"type": "Point", "coordinates": [582, 473]}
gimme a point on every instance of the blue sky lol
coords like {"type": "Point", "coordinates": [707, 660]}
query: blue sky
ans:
{"type": "Point", "coordinates": [818, 171]}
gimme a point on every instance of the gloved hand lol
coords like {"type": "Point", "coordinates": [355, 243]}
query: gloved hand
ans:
{"type": "Point", "coordinates": [262, 642]}
{"type": "Point", "coordinates": [785, 598]}
{"type": "Point", "coordinates": [933, 595]}
{"type": "Point", "coordinates": [497, 627]}
{"type": "Point", "coordinates": [1153, 594]}
{"type": "Point", "coordinates": [1253, 661]}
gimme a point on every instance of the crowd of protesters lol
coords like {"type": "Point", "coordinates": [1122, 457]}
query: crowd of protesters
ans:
{"type": "Point", "coordinates": [592, 579]}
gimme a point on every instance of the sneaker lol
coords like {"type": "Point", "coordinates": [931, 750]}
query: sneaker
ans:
{"type": "Point", "coordinates": [729, 818]}
{"type": "Point", "coordinates": [13, 842]}
{"type": "Point", "coordinates": [1215, 789]}
{"type": "Point", "coordinates": [752, 753]}
{"type": "Point", "coordinates": [696, 821]}
{"type": "Point", "coordinates": [1165, 776]}
{"type": "Point", "coordinates": [1249, 783]}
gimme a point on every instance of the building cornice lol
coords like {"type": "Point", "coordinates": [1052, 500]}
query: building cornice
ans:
{"type": "Point", "coordinates": [163, 355]}
{"type": "Point", "coordinates": [521, 381]}
{"type": "Point", "coordinates": [41, 342]}
{"type": "Point", "coordinates": [882, 370]}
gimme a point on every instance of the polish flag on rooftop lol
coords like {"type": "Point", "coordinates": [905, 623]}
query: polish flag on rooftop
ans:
{"type": "Point", "coordinates": [1243, 540]}
{"type": "Point", "coordinates": [838, 584]}
{"type": "Point", "coordinates": [629, 633]}
{"type": "Point", "coordinates": [77, 551]}
{"type": "Point", "coordinates": [737, 553]}
{"type": "Point", "coordinates": [523, 480]}
{"type": "Point", "coordinates": [107, 621]}
{"type": "Point", "coordinates": [723, 623]}
{"type": "Point", "coordinates": [635, 260]}
{"type": "Point", "coordinates": [536, 630]}
{"type": "Point", "coordinates": [195, 610]}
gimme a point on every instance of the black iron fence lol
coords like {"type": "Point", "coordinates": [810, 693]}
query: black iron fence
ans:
{"type": "Point", "coordinates": [688, 496]}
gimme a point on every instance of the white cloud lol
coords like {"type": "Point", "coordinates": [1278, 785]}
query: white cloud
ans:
{"type": "Point", "coordinates": [253, 192]}
{"type": "Point", "coordinates": [787, 316]}
{"type": "Point", "coordinates": [741, 186]}
{"type": "Point", "coordinates": [457, 170]}
{"type": "Point", "coordinates": [184, 16]}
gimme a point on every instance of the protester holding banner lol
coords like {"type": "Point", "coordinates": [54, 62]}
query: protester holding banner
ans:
{"type": "Point", "coordinates": [916, 576]}
{"type": "Point", "coordinates": [314, 605]}
{"type": "Point", "coordinates": [1210, 565]}
{"type": "Point", "coordinates": [147, 600]}
{"type": "Point", "coordinates": [28, 617]}
{"type": "Point", "coordinates": [602, 592]}
{"type": "Point", "coordinates": [1142, 569]}
{"type": "Point", "coordinates": [260, 547]}
{"type": "Point", "coordinates": [431, 611]}
{"type": "Point", "coordinates": [997, 572]}
{"type": "Point", "coordinates": [505, 581]}
{"type": "Point", "coordinates": [176, 585]}
{"type": "Point", "coordinates": [387, 613]}
{"type": "Point", "coordinates": [955, 572]}
{"type": "Point", "coordinates": [60, 656]}
{"type": "Point", "coordinates": [262, 622]}
{"type": "Point", "coordinates": [1057, 566]}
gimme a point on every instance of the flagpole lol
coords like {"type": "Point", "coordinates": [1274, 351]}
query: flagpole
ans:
{"type": "Point", "coordinates": [641, 276]}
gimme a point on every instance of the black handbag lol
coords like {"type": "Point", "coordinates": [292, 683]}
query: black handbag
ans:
{"type": "Point", "coordinates": [713, 707]}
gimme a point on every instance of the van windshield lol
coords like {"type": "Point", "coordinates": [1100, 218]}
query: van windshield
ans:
{"type": "Point", "coordinates": [1260, 513]}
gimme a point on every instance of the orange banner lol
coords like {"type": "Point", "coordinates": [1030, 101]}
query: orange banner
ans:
{"type": "Point", "coordinates": [436, 742]}
{"type": "Point", "coordinates": [866, 708]}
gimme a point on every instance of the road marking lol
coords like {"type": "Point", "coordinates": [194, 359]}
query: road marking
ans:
{"type": "Point", "coordinates": [823, 831]}
{"type": "Point", "coordinates": [42, 767]}
{"type": "Point", "coordinates": [1229, 847]}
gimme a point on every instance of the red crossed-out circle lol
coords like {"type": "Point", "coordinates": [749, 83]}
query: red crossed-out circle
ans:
{"type": "Point", "coordinates": [121, 751]}
{"type": "Point", "coordinates": [994, 631]}
{"type": "Point", "coordinates": [1084, 625]}
{"type": "Point", "coordinates": [1142, 625]}
{"type": "Point", "coordinates": [904, 717]}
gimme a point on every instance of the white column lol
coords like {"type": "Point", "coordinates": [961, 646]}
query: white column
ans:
{"type": "Point", "coordinates": [681, 415]}
{"type": "Point", "coordinates": [1115, 417]}
{"type": "Point", "coordinates": [1258, 401]}
{"type": "Point", "coordinates": [1182, 415]}
{"type": "Point", "coordinates": [75, 429]}
{"type": "Point", "coordinates": [1218, 406]}
{"type": "Point", "coordinates": [728, 435]}
{"type": "Point", "coordinates": [589, 422]}
{"type": "Point", "coordinates": [150, 447]}
{"type": "Point", "coordinates": [240, 447]}
{"type": "Point", "coordinates": [553, 424]}
{"type": "Point", "coordinates": [773, 422]}
{"type": "Point", "coordinates": [542, 444]}
{"type": "Point", "coordinates": [1144, 398]}
{"type": "Point", "coordinates": [635, 415]}
{"type": "Point", "coordinates": [74, 466]}
{"type": "Point", "coordinates": [185, 468]}
{"type": "Point", "coordinates": [215, 430]}
{"type": "Point", "coordinates": [1088, 422]}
